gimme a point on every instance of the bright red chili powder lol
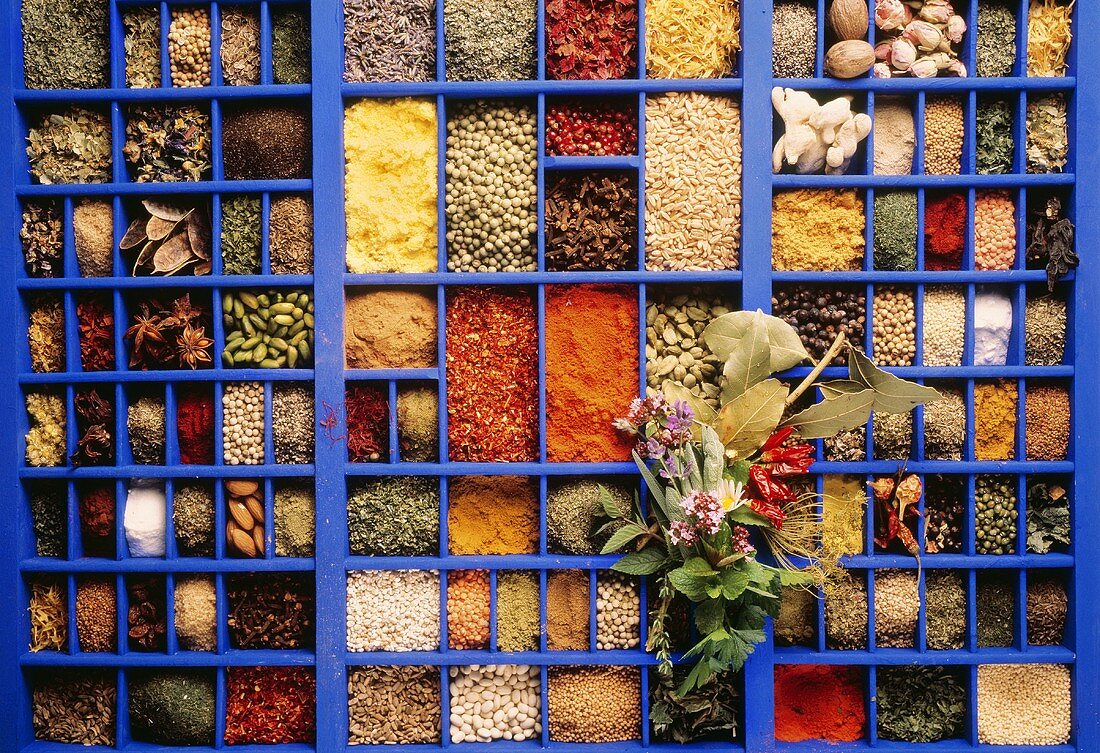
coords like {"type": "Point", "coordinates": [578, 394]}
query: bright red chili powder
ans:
{"type": "Point", "coordinates": [270, 705]}
{"type": "Point", "coordinates": [591, 370]}
{"type": "Point", "coordinates": [368, 420]}
{"type": "Point", "coordinates": [591, 39]}
{"type": "Point", "coordinates": [195, 425]}
{"type": "Point", "coordinates": [819, 702]}
{"type": "Point", "coordinates": [944, 232]}
{"type": "Point", "coordinates": [492, 375]}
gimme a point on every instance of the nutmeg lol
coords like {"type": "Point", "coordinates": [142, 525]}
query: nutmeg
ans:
{"type": "Point", "coordinates": [849, 59]}
{"type": "Point", "coordinates": [849, 19]}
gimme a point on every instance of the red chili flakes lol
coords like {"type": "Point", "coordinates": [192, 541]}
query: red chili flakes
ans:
{"type": "Point", "coordinates": [591, 39]}
{"type": "Point", "coordinates": [270, 705]}
{"type": "Point", "coordinates": [587, 128]}
{"type": "Point", "coordinates": [97, 520]}
{"type": "Point", "coordinates": [368, 419]}
{"type": "Point", "coordinates": [96, 321]}
{"type": "Point", "coordinates": [492, 375]}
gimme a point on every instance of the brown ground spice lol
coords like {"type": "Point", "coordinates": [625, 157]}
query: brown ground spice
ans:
{"type": "Point", "coordinates": [995, 420]}
{"type": "Point", "coordinates": [196, 616]}
{"type": "Point", "coordinates": [96, 615]}
{"type": "Point", "coordinates": [594, 704]}
{"type": "Point", "coordinates": [567, 611]}
{"type": "Point", "coordinates": [418, 423]}
{"type": "Point", "coordinates": [390, 329]}
{"type": "Point", "coordinates": [493, 515]}
{"type": "Point", "coordinates": [1046, 417]}
{"type": "Point", "coordinates": [797, 617]}
{"type": "Point", "coordinates": [93, 232]}
{"type": "Point", "coordinates": [47, 319]}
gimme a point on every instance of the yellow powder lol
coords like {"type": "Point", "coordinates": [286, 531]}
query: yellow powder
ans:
{"type": "Point", "coordinates": [817, 230]}
{"type": "Point", "coordinates": [995, 420]}
{"type": "Point", "coordinates": [493, 515]}
{"type": "Point", "coordinates": [843, 501]}
{"type": "Point", "coordinates": [391, 152]}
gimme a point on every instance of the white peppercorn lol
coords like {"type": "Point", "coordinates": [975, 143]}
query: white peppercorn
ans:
{"type": "Point", "coordinates": [243, 423]}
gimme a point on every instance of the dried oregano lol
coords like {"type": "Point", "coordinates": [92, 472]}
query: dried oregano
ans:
{"type": "Point", "coordinates": [168, 143]}
{"type": "Point", "coordinates": [995, 145]}
{"type": "Point", "coordinates": [240, 235]}
{"type": "Point", "coordinates": [290, 47]}
{"type": "Point", "coordinates": [65, 44]}
{"type": "Point", "coordinates": [996, 52]}
{"type": "Point", "coordinates": [142, 46]}
{"type": "Point", "coordinates": [72, 146]}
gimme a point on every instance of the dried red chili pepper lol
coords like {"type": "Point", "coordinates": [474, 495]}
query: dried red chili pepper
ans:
{"type": "Point", "coordinates": [768, 495]}
{"type": "Point", "coordinates": [591, 39]}
{"type": "Point", "coordinates": [786, 460]}
{"type": "Point", "coordinates": [195, 425]}
{"type": "Point", "coordinates": [270, 705]}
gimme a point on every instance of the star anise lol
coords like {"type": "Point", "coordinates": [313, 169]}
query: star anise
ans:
{"type": "Point", "coordinates": [183, 313]}
{"type": "Point", "coordinates": [192, 345]}
{"type": "Point", "coordinates": [147, 326]}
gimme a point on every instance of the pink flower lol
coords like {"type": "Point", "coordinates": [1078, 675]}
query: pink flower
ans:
{"type": "Point", "coordinates": [958, 68]}
{"type": "Point", "coordinates": [923, 34]}
{"type": "Point", "coordinates": [956, 26]}
{"type": "Point", "coordinates": [681, 532]}
{"type": "Point", "coordinates": [935, 13]}
{"type": "Point", "coordinates": [924, 68]}
{"type": "Point", "coordinates": [892, 14]}
{"type": "Point", "coordinates": [705, 508]}
{"type": "Point", "coordinates": [740, 541]}
{"type": "Point", "coordinates": [903, 53]}
{"type": "Point", "coordinates": [883, 51]}
{"type": "Point", "coordinates": [882, 70]}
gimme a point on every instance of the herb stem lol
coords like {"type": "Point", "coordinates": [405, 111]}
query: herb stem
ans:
{"type": "Point", "coordinates": [834, 349]}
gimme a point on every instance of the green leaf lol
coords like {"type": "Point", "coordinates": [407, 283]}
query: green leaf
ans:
{"type": "Point", "coordinates": [746, 516]}
{"type": "Point", "coordinates": [699, 566]}
{"type": "Point", "coordinates": [704, 414]}
{"type": "Point", "coordinates": [655, 488]}
{"type": "Point", "coordinates": [610, 506]}
{"type": "Point", "coordinates": [645, 562]}
{"type": "Point", "coordinates": [710, 615]}
{"type": "Point", "coordinates": [622, 537]}
{"type": "Point", "coordinates": [892, 393]}
{"type": "Point", "coordinates": [672, 505]}
{"type": "Point", "coordinates": [840, 387]}
{"type": "Point", "coordinates": [794, 577]}
{"type": "Point", "coordinates": [738, 470]}
{"type": "Point", "coordinates": [734, 582]}
{"type": "Point", "coordinates": [749, 362]}
{"type": "Point", "coordinates": [691, 586]}
{"type": "Point", "coordinates": [748, 420]}
{"type": "Point", "coordinates": [713, 458]}
{"type": "Point", "coordinates": [696, 678]}
{"type": "Point", "coordinates": [723, 334]}
{"type": "Point", "coordinates": [833, 415]}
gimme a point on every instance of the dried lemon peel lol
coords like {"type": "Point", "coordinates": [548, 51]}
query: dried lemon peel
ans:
{"type": "Point", "coordinates": [1049, 33]}
{"type": "Point", "coordinates": [691, 38]}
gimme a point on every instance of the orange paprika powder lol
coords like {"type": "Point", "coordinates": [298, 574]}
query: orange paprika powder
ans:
{"type": "Point", "coordinates": [819, 702]}
{"type": "Point", "coordinates": [591, 370]}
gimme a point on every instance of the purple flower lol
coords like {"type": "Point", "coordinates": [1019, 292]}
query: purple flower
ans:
{"type": "Point", "coordinates": [740, 541]}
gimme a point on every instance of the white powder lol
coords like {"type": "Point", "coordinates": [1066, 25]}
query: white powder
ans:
{"type": "Point", "coordinates": [145, 521]}
{"type": "Point", "coordinates": [992, 327]}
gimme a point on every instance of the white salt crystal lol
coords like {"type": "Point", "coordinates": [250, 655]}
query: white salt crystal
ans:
{"type": "Point", "coordinates": [992, 327]}
{"type": "Point", "coordinates": [145, 521]}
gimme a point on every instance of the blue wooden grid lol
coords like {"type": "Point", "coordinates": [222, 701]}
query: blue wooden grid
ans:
{"type": "Point", "coordinates": [753, 285]}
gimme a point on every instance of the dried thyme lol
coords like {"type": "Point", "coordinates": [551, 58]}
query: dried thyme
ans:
{"type": "Point", "coordinates": [193, 519]}
{"type": "Point", "coordinates": [240, 48]}
{"type": "Point", "coordinates": [145, 427]}
{"type": "Point", "coordinates": [895, 225]}
{"type": "Point", "coordinates": [290, 52]}
{"type": "Point", "coordinates": [71, 146]}
{"type": "Point", "coordinates": [996, 53]}
{"type": "Point", "coordinates": [995, 146]}
{"type": "Point", "coordinates": [240, 236]}
{"type": "Point", "coordinates": [65, 44]}
{"type": "Point", "coordinates": [396, 515]}
{"type": "Point", "coordinates": [49, 515]}
{"type": "Point", "coordinates": [920, 704]}
{"type": "Point", "coordinates": [168, 143]}
{"type": "Point", "coordinates": [489, 41]}
{"type": "Point", "coordinates": [142, 45]}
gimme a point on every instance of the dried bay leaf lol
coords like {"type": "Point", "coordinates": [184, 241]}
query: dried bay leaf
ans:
{"type": "Point", "coordinates": [787, 351]}
{"type": "Point", "coordinates": [892, 394]}
{"type": "Point", "coordinates": [833, 415]}
{"type": "Point", "coordinates": [750, 360]}
{"type": "Point", "coordinates": [748, 420]}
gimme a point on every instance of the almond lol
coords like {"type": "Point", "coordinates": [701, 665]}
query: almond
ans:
{"type": "Point", "coordinates": [258, 539]}
{"type": "Point", "coordinates": [241, 515]}
{"type": "Point", "coordinates": [849, 59]}
{"type": "Point", "coordinates": [241, 487]}
{"type": "Point", "coordinates": [255, 508]}
{"type": "Point", "coordinates": [849, 19]}
{"type": "Point", "coordinates": [243, 543]}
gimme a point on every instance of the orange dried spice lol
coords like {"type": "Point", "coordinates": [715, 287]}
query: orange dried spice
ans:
{"type": "Point", "coordinates": [995, 420]}
{"type": "Point", "coordinates": [468, 609]}
{"type": "Point", "coordinates": [994, 230]}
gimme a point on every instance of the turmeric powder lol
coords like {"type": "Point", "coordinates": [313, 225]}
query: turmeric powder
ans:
{"type": "Point", "coordinates": [995, 420]}
{"type": "Point", "coordinates": [818, 230]}
{"type": "Point", "coordinates": [493, 515]}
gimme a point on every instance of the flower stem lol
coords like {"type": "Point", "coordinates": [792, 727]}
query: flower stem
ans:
{"type": "Point", "coordinates": [806, 383]}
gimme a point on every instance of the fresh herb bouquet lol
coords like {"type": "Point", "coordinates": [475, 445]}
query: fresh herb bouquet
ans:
{"type": "Point", "coordinates": [717, 477]}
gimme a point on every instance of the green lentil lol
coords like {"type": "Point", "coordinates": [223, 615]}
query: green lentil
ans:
{"type": "Point", "coordinates": [995, 514]}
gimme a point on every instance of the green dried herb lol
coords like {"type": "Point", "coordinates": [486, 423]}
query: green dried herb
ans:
{"type": "Point", "coordinates": [173, 707]}
{"type": "Point", "coordinates": [290, 47]}
{"type": "Point", "coordinates": [65, 44]}
{"type": "Point", "coordinates": [142, 46]}
{"type": "Point", "coordinates": [996, 610]}
{"type": "Point", "coordinates": [168, 143]}
{"type": "Point", "coordinates": [996, 52]}
{"type": "Point", "coordinates": [48, 513]}
{"type": "Point", "coordinates": [1048, 519]}
{"type": "Point", "coordinates": [73, 146]}
{"type": "Point", "coordinates": [945, 610]}
{"type": "Point", "coordinates": [995, 145]}
{"type": "Point", "coordinates": [1047, 134]}
{"type": "Point", "coordinates": [896, 231]}
{"type": "Point", "coordinates": [920, 704]}
{"type": "Point", "coordinates": [41, 237]}
{"type": "Point", "coordinates": [241, 222]}
{"type": "Point", "coordinates": [705, 713]}
{"type": "Point", "coordinates": [396, 515]}
{"type": "Point", "coordinates": [1051, 242]}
